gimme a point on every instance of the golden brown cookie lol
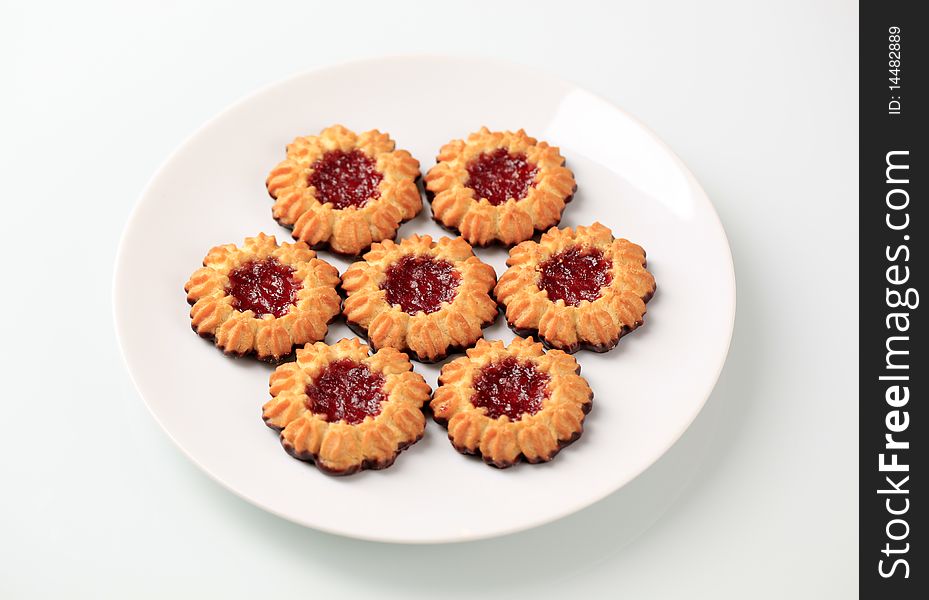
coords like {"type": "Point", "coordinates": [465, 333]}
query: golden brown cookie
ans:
{"type": "Point", "coordinates": [344, 410]}
{"type": "Point", "coordinates": [430, 298]}
{"type": "Point", "coordinates": [576, 288]}
{"type": "Point", "coordinates": [262, 298]}
{"type": "Point", "coordinates": [511, 403]}
{"type": "Point", "coordinates": [499, 186]}
{"type": "Point", "coordinates": [343, 190]}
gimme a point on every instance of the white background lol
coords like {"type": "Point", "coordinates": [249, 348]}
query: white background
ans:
{"type": "Point", "coordinates": [758, 499]}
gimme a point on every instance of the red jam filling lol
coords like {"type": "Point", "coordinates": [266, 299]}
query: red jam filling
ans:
{"type": "Point", "coordinates": [420, 283]}
{"type": "Point", "coordinates": [264, 286]}
{"type": "Point", "coordinates": [575, 275]}
{"type": "Point", "coordinates": [510, 387]}
{"type": "Point", "coordinates": [346, 390]}
{"type": "Point", "coordinates": [499, 176]}
{"type": "Point", "coordinates": [345, 179]}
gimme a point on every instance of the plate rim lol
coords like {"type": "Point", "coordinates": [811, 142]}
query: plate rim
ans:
{"type": "Point", "coordinates": [569, 508]}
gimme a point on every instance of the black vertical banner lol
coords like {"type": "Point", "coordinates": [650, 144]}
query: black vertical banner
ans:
{"type": "Point", "coordinates": [894, 372]}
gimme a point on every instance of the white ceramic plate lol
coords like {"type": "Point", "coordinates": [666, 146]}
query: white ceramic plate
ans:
{"type": "Point", "coordinates": [212, 191]}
